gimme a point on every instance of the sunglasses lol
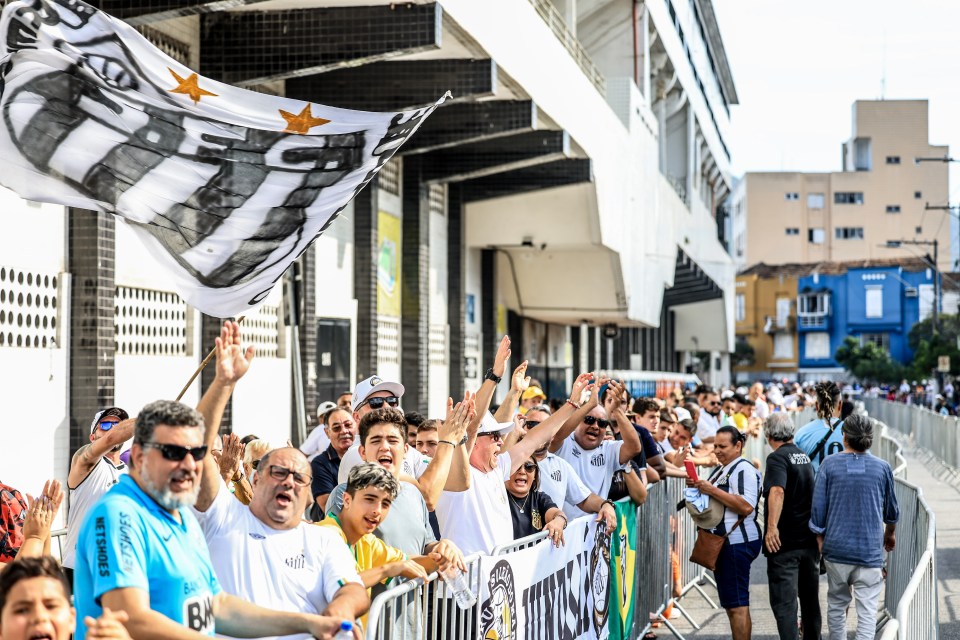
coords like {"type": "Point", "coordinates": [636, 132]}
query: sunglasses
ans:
{"type": "Point", "coordinates": [531, 423]}
{"type": "Point", "coordinates": [106, 426]}
{"type": "Point", "coordinates": [529, 466]}
{"type": "Point", "coordinates": [494, 435]}
{"type": "Point", "coordinates": [280, 474]}
{"type": "Point", "coordinates": [713, 403]}
{"type": "Point", "coordinates": [176, 452]}
{"type": "Point", "coordinates": [377, 403]}
{"type": "Point", "coordinates": [592, 420]}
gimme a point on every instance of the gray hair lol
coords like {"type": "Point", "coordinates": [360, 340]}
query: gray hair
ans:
{"type": "Point", "coordinates": [779, 427]}
{"type": "Point", "coordinates": [858, 430]}
{"type": "Point", "coordinates": [368, 474]}
{"type": "Point", "coordinates": [542, 407]}
{"type": "Point", "coordinates": [165, 413]}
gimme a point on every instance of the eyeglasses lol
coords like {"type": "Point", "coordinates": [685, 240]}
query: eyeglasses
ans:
{"type": "Point", "coordinates": [592, 420]}
{"type": "Point", "coordinates": [254, 464]}
{"type": "Point", "coordinates": [280, 474]}
{"type": "Point", "coordinates": [493, 435]}
{"type": "Point", "coordinates": [529, 466]}
{"type": "Point", "coordinates": [106, 426]}
{"type": "Point", "coordinates": [713, 403]}
{"type": "Point", "coordinates": [530, 424]}
{"type": "Point", "coordinates": [176, 452]}
{"type": "Point", "coordinates": [337, 427]}
{"type": "Point", "coordinates": [377, 403]}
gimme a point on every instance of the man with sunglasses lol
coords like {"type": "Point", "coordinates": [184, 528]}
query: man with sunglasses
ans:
{"type": "Point", "coordinates": [141, 549]}
{"type": "Point", "coordinates": [369, 395]}
{"type": "Point", "coordinates": [709, 421]}
{"type": "Point", "coordinates": [594, 459]}
{"type": "Point", "coordinates": [264, 552]}
{"type": "Point", "coordinates": [94, 469]}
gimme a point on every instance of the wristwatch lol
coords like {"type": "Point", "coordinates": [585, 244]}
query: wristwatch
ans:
{"type": "Point", "coordinates": [490, 375]}
{"type": "Point", "coordinates": [463, 441]}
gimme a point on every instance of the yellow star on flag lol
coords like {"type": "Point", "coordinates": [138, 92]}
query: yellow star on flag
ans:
{"type": "Point", "coordinates": [301, 122]}
{"type": "Point", "coordinates": [189, 86]}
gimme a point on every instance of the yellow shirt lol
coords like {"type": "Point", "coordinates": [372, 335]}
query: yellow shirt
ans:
{"type": "Point", "coordinates": [739, 421]}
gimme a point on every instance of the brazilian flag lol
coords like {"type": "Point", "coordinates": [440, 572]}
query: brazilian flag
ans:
{"type": "Point", "coordinates": [623, 557]}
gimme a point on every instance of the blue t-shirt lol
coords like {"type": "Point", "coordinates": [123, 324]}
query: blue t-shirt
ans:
{"type": "Point", "coordinates": [128, 540]}
{"type": "Point", "coordinates": [810, 435]}
{"type": "Point", "coordinates": [852, 499]}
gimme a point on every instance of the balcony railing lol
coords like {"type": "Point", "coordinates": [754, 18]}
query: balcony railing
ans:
{"type": "Point", "coordinates": [813, 322]}
{"type": "Point", "coordinates": [559, 27]}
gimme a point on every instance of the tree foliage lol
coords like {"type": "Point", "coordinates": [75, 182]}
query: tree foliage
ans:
{"type": "Point", "coordinates": [744, 354]}
{"type": "Point", "coordinates": [927, 347]}
{"type": "Point", "coordinates": [868, 362]}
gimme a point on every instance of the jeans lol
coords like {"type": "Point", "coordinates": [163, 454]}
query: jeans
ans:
{"type": "Point", "coordinates": [793, 574]}
{"type": "Point", "coordinates": [866, 583]}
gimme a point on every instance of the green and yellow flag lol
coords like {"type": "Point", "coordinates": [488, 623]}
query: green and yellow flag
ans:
{"type": "Point", "coordinates": [623, 557]}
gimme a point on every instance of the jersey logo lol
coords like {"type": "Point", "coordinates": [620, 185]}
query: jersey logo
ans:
{"type": "Point", "coordinates": [296, 562]}
{"type": "Point", "coordinates": [598, 461]}
{"type": "Point", "coordinates": [576, 453]}
{"type": "Point", "coordinates": [198, 613]}
{"type": "Point", "coordinates": [556, 476]}
{"type": "Point", "coordinates": [258, 536]}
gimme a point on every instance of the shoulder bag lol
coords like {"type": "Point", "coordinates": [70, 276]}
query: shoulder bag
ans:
{"type": "Point", "coordinates": [706, 550]}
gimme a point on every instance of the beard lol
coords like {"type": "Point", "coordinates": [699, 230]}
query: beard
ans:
{"type": "Point", "coordinates": [164, 496]}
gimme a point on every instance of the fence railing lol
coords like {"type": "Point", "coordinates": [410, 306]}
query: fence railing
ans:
{"type": "Point", "coordinates": [911, 589]}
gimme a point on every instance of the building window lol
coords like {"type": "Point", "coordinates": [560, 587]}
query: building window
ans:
{"type": "Point", "coordinates": [882, 340]}
{"type": "Point", "coordinates": [815, 236]}
{"type": "Point", "coordinates": [818, 345]}
{"type": "Point", "coordinates": [925, 295]}
{"type": "Point", "coordinates": [793, 231]}
{"type": "Point", "coordinates": [741, 304]}
{"type": "Point", "coordinates": [917, 195]}
{"type": "Point", "coordinates": [918, 230]}
{"type": "Point", "coordinates": [791, 195]}
{"type": "Point", "coordinates": [848, 197]}
{"type": "Point", "coordinates": [783, 346]}
{"type": "Point", "coordinates": [874, 301]}
{"type": "Point", "coordinates": [861, 147]}
{"type": "Point", "coordinates": [849, 233]}
{"type": "Point", "coordinates": [783, 312]}
{"type": "Point", "coordinates": [815, 201]}
{"type": "Point", "coordinates": [813, 304]}
{"type": "Point", "coordinates": [893, 159]}
{"type": "Point", "coordinates": [893, 208]}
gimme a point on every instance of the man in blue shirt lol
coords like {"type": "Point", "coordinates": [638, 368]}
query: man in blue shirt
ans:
{"type": "Point", "coordinates": [854, 515]}
{"type": "Point", "coordinates": [823, 437]}
{"type": "Point", "coordinates": [141, 550]}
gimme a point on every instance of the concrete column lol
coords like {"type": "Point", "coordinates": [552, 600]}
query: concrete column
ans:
{"type": "Point", "coordinates": [662, 125]}
{"type": "Point", "coordinates": [691, 152]}
{"type": "Point", "coordinates": [305, 273]}
{"type": "Point", "coordinates": [645, 40]}
{"type": "Point", "coordinates": [457, 286]}
{"type": "Point", "coordinates": [365, 206]}
{"type": "Point", "coordinates": [415, 284]}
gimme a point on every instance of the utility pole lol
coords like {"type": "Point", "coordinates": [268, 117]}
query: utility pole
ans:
{"type": "Point", "coordinates": [895, 244]}
{"type": "Point", "coordinates": [949, 209]}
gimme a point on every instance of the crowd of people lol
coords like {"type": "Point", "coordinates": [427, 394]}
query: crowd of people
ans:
{"type": "Point", "coordinates": [180, 534]}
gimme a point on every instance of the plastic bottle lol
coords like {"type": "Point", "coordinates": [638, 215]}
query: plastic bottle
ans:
{"type": "Point", "coordinates": [346, 631]}
{"type": "Point", "coordinates": [457, 583]}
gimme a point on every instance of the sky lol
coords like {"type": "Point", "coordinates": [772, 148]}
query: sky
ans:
{"type": "Point", "coordinates": [799, 66]}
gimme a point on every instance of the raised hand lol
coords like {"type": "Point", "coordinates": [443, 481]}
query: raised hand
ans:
{"type": "Point", "coordinates": [503, 354]}
{"type": "Point", "coordinates": [520, 381]}
{"type": "Point", "coordinates": [581, 384]}
{"type": "Point", "coordinates": [454, 427]}
{"type": "Point", "coordinates": [231, 460]}
{"type": "Point", "coordinates": [232, 360]}
{"type": "Point", "coordinates": [42, 510]}
{"type": "Point", "coordinates": [617, 391]}
{"type": "Point", "coordinates": [109, 626]}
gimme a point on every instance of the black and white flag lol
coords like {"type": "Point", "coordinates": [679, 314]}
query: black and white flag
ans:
{"type": "Point", "coordinates": [225, 186]}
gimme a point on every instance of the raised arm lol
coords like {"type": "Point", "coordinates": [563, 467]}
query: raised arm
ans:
{"type": "Point", "coordinates": [451, 432]}
{"type": "Point", "coordinates": [39, 519]}
{"type": "Point", "coordinates": [519, 383]}
{"type": "Point", "coordinates": [487, 388]}
{"type": "Point", "coordinates": [233, 362]}
{"type": "Point", "coordinates": [577, 416]}
{"type": "Point", "coordinates": [89, 454]}
{"type": "Point", "coordinates": [631, 439]}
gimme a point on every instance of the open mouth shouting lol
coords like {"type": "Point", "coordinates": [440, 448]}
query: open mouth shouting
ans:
{"type": "Point", "coordinates": [41, 635]}
{"type": "Point", "coordinates": [371, 522]}
{"type": "Point", "coordinates": [182, 481]}
{"type": "Point", "coordinates": [284, 498]}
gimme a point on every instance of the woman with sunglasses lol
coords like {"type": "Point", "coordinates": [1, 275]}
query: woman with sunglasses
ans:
{"type": "Point", "coordinates": [532, 510]}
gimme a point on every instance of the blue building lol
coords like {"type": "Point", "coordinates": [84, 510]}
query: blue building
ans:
{"type": "Point", "coordinates": [874, 301]}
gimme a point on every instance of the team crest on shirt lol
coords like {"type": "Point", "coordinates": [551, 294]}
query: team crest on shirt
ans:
{"type": "Point", "coordinates": [537, 519]}
{"type": "Point", "coordinates": [556, 475]}
{"type": "Point", "coordinates": [498, 618]}
{"type": "Point", "coordinates": [598, 460]}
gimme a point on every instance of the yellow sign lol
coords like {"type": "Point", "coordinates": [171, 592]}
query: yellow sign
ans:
{"type": "Point", "coordinates": [388, 264]}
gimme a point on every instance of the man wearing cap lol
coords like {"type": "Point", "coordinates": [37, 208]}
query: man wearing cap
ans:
{"type": "Point", "coordinates": [94, 469]}
{"type": "Point", "coordinates": [532, 397]}
{"type": "Point", "coordinates": [473, 510]}
{"type": "Point", "coordinates": [318, 440]}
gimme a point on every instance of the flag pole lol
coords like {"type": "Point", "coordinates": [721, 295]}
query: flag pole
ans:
{"type": "Point", "coordinates": [203, 364]}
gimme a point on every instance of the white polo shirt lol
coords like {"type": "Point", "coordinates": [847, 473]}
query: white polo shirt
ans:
{"type": "Point", "coordinates": [478, 519]}
{"type": "Point", "coordinates": [559, 481]}
{"type": "Point", "coordinates": [594, 466]}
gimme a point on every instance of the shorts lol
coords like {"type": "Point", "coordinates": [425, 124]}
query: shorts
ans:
{"type": "Point", "coordinates": [733, 573]}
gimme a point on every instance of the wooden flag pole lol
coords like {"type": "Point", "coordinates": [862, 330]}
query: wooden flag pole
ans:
{"type": "Point", "coordinates": [203, 364]}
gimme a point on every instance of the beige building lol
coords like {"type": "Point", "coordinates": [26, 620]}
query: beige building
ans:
{"type": "Point", "coordinates": [880, 195]}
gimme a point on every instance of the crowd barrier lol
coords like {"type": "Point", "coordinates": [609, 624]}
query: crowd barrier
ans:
{"type": "Point", "coordinates": [910, 597]}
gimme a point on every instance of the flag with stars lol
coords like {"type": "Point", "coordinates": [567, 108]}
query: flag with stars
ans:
{"type": "Point", "coordinates": [226, 187]}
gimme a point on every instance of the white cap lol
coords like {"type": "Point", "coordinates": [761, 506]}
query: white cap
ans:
{"type": "Point", "coordinates": [489, 424]}
{"type": "Point", "coordinates": [324, 409]}
{"type": "Point", "coordinates": [366, 388]}
{"type": "Point", "coordinates": [682, 414]}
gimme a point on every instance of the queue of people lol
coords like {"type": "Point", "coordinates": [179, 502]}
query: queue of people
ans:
{"type": "Point", "coordinates": [166, 541]}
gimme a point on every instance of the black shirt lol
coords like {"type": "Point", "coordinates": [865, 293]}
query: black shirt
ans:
{"type": "Point", "coordinates": [789, 468]}
{"type": "Point", "coordinates": [533, 516]}
{"type": "Point", "coordinates": [618, 488]}
{"type": "Point", "coordinates": [325, 468]}
{"type": "Point", "coordinates": [650, 448]}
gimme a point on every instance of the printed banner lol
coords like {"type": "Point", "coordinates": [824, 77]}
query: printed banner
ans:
{"type": "Point", "coordinates": [623, 562]}
{"type": "Point", "coordinates": [547, 592]}
{"type": "Point", "coordinates": [225, 186]}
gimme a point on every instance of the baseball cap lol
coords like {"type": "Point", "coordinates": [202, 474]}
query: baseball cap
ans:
{"type": "Point", "coordinates": [533, 392]}
{"type": "Point", "coordinates": [489, 424]}
{"type": "Point", "coordinates": [366, 388]}
{"type": "Point", "coordinates": [682, 414]}
{"type": "Point", "coordinates": [324, 409]}
{"type": "Point", "coordinates": [104, 413]}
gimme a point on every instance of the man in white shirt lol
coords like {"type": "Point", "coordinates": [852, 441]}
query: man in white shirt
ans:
{"type": "Point", "coordinates": [594, 459]}
{"type": "Point", "coordinates": [318, 440]}
{"type": "Point", "coordinates": [709, 420]}
{"type": "Point", "coordinates": [264, 552]}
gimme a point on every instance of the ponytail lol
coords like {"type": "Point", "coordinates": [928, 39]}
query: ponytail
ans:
{"type": "Point", "coordinates": [828, 394]}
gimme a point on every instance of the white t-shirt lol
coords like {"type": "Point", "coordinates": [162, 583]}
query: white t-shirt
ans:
{"type": "Point", "coordinates": [316, 443]}
{"type": "Point", "coordinates": [559, 481]}
{"type": "Point", "coordinates": [478, 519]}
{"type": "Point", "coordinates": [298, 570]}
{"type": "Point", "coordinates": [101, 478]}
{"type": "Point", "coordinates": [707, 425]}
{"type": "Point", "coordinates": [414, 462]}
{"type": "Point", "coordinates": [594, 466]}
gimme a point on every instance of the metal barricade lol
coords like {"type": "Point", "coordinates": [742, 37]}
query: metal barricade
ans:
{"type": "Point", "coordinates": [57, 538]}
{"type": "Point", "coordinates": [427, 609]}
{"type": "Point", "coordinates": [519, 544]}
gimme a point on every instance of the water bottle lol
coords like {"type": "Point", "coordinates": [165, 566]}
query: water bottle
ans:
{"type": "Point", "coordinates": [457, 583]}
{"type": "Point", "coordinates": [346, 631]}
